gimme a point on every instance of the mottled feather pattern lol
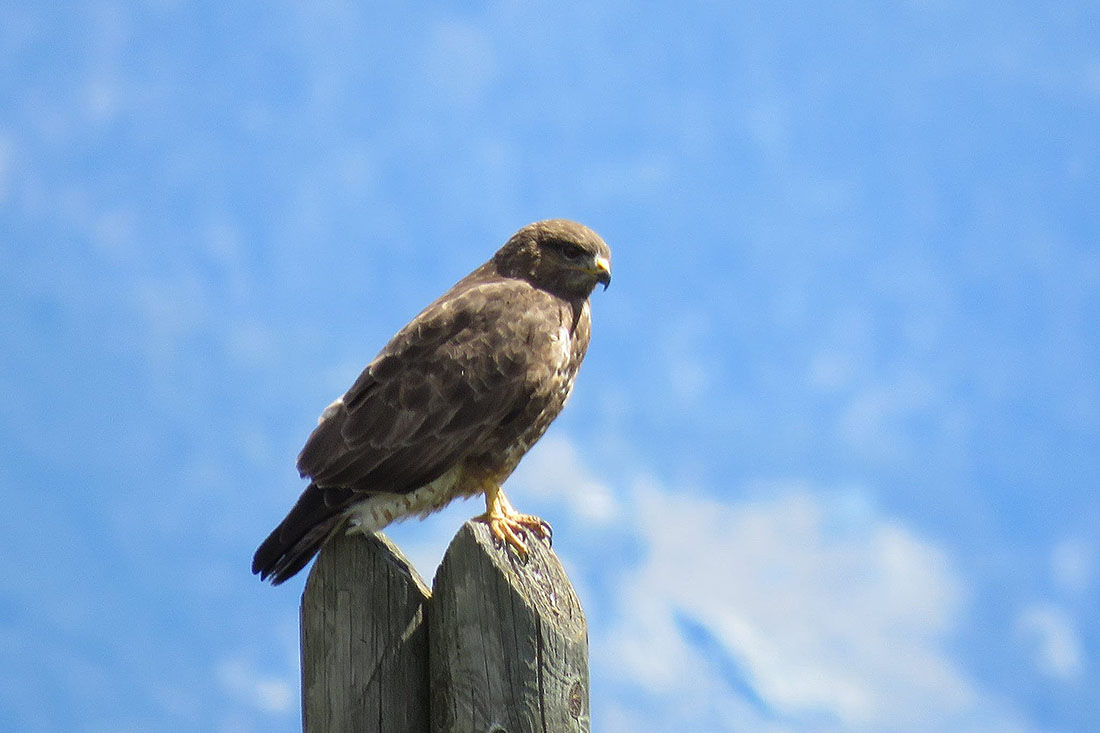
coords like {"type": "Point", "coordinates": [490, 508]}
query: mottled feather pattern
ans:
{"type": "Point", "coordinates": [453, 392]}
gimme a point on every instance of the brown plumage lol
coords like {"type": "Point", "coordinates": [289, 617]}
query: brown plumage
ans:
{"type": "Point", "coordinates": [453, 401]}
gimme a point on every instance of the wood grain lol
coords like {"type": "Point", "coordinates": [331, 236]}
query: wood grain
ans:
{"type": "Point", "coordinates": [364, 640]}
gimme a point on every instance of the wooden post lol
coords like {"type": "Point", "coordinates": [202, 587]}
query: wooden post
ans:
{"type": "Point", "coordinates": [508, 641]}
{"type": "Point", "coordinates": [509, 650]}
{"type": "Point", "coordinates": [364, 640]}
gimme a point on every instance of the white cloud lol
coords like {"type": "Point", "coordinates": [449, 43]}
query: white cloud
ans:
{"type": "Point", "coordinates": [1054, 636]}
{"type": "Point", "coordinates": [266, 693]}
{"type": "Point", "coordinates": [792, 611]}
{"type": "Point", "coordinates": [554, 469]}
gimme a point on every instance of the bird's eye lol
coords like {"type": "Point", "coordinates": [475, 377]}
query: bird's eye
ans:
{"type": "Point", "coordinates": [571, 251]}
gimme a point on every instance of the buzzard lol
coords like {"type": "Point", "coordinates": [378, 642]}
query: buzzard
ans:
{"type": "Point", "coordinates": [452, 403]}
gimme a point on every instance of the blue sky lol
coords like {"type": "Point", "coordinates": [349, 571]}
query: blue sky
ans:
{"type": "Point", "coordinates": [831, 465]}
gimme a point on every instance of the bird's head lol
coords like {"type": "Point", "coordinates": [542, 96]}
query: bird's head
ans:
{"type": "Point", "coordinates": [557, 255]}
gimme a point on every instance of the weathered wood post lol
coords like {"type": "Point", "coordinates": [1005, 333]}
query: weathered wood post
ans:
{"type": "Point", "coordinates": [364, 640]}
{"type": "Point", "coordinates": [509, 644]}
{"type": "Point", "coordinates": [501, 645]}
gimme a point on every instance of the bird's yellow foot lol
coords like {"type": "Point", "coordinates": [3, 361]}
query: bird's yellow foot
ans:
{"type": "Point", "coordinates": [506, 524]}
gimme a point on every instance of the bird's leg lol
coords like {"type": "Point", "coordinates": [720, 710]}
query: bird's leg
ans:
{"type": "Point", "coordinates": [506, 523]}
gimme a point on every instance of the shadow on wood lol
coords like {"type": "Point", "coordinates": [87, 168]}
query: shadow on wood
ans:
{"type": "Point", "coordinates": [364, 640]}
{"type": "Point", "coordinates": [509, 644]}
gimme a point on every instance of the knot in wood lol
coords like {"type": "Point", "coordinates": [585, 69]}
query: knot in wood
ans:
{"type": "Point", "coordinates": [576, 699]}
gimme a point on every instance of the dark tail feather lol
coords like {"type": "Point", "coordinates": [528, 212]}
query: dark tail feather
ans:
{"type": "Point", "coordinates": [317, 515]}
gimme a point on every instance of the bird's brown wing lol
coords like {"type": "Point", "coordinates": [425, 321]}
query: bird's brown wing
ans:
{"type": "Point", "coordinates": [442, 387]}
{"type": "Point", "coordinates": [457, 381]}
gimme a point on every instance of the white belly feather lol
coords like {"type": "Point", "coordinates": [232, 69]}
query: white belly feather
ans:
{"type": "Point", "coordinates": [380, 510]}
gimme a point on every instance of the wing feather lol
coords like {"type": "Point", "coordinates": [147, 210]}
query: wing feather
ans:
{"type": "Point", "coordinates": [435, 393]}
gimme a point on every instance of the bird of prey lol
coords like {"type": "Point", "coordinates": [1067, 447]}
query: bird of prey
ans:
{"type": "Point", "coordinates": [452, 403]}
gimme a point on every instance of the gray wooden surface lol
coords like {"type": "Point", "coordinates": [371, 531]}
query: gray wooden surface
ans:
{"type": "Point", "coordinates": [364, 640]}
{"type": "Point", "coordinates": [509, 643]}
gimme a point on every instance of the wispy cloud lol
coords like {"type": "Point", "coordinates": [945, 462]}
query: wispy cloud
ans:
{"type": "Point", "coordinates": [1053, 635]}
{"type": "Point", "coordinates": [1073, 565]}
{"type": "Point", "coordinates": [265, 692]}
{"type": "Point", "coordinates": [555, 470]}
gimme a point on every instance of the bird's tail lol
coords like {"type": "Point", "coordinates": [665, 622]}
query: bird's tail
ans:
{"type": "Point", "coordinates": [315, 517]}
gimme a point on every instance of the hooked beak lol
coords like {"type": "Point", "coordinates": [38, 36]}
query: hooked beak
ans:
{"type": "Point", "coordinates": [603, 271]}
